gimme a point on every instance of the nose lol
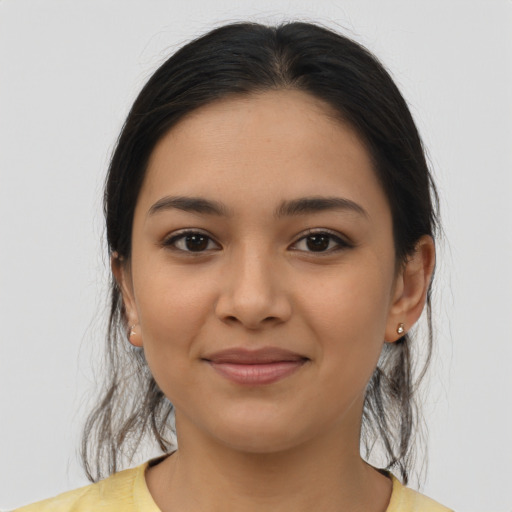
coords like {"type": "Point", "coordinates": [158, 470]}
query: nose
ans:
{"type": "Point", "coordinates": [254, 292]}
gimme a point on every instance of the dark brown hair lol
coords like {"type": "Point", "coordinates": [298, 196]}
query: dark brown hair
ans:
{"type": "Point", "coordinates": [241, 59]}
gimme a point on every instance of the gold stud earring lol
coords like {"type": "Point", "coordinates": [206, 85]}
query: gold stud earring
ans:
{"type": "Point", "coordinates": [400, 329]}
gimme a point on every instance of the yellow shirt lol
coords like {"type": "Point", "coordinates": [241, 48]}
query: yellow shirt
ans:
{"type": "Point", "coordinates": [126, 491]}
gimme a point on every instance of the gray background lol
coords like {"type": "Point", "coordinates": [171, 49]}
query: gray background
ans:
{"type": "Point", "coordinates": [69, 71]}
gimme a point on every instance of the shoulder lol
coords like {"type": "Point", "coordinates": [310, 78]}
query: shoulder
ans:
{"type": "Point", "coordinates": [124, 491]}
{"type": "Point", "coordinates": [404, 499]}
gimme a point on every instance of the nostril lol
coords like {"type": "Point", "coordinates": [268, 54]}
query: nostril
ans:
{"type": "Point", "coordinates": [231, 318]}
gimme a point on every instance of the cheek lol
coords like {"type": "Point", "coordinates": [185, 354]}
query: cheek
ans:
{"type": "Point", "coordinates": [353, 299]}
{"type": "Point", "coordinates": [170, 299]}
{"type": "Point", "coordinates": [347, 315]}
{"type": "Point", "coordinates": [173, 307]}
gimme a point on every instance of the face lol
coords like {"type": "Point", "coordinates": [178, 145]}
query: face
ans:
{"type": "Point", "coordinates": [262, 277]}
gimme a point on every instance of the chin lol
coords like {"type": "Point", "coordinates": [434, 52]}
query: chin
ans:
{"type": "Point", "coordinates": [260, 436]}
{"type": "Point", "coordinates": [260, 444]}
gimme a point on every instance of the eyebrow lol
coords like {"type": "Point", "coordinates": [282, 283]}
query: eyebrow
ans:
{"type": "Point", "coordinates": [301, 206]}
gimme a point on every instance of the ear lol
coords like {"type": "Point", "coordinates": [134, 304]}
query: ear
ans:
{"type": "Point", "coordinates": [411, 287]}
{"type": "Point", "coordinates": [122, 273]}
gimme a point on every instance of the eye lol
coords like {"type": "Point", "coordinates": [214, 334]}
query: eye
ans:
{"type": "Point", "coordinates": [191, 241]}
{"type": "Point", "coordinates": [320, 241]}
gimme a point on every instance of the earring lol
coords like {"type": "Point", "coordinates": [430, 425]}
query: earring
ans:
{"type": "Point", "coordinates": [132, 330]}
{"type": "Point", "coordinates": [400, 329]}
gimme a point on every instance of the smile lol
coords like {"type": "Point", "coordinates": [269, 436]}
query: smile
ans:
{"type": "Point", "coordinates": [255, 367]}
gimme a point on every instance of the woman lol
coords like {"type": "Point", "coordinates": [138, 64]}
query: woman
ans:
{"type": "Point", "coordinates": [270, 219]}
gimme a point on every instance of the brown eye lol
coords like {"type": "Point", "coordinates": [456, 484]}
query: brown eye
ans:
{"type": "Point", "coordinates": [321, 242]}
{"type": "Point", "coordinates": [191, 241]}
{"type": "Point", "coordinates": [318, 242]}
{"type": "Point", "coordinates": [196, 242]}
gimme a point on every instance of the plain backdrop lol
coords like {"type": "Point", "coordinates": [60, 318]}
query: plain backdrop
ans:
{"type": "Point", "coordinates": [69, 71]}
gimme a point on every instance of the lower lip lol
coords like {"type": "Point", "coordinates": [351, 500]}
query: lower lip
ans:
{"type": "Point", "coordinates": [256, 374]}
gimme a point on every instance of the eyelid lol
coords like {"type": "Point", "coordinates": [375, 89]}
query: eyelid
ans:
{"type": "Point", "coordinates": [342, 241]}
{"type": "Point", "coordinates": [170, 239]}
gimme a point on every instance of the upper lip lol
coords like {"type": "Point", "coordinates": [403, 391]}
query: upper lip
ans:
{"type": "Point", "coordinates": [263, 355]}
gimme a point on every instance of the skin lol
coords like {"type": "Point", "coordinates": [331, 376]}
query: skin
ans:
{"type": "Point", "coordinates": [292, 444]}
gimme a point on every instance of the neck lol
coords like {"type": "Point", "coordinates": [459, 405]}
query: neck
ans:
{"type": "Point", "coordinates": [325, 475]}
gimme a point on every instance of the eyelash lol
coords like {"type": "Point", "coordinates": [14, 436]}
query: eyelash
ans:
{"type": "Point", "coordinates": [341, 243]}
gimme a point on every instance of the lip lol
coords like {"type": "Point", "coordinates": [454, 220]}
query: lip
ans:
{"type": "Point", "coordinates": [255, 367]}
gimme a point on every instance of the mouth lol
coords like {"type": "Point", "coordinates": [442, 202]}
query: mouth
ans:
{"type": "Point", "coordinates": [255, 367]}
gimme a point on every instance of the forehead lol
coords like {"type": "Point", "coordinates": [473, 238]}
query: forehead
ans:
{"type": "Point", "coordinates": [259, 149]}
